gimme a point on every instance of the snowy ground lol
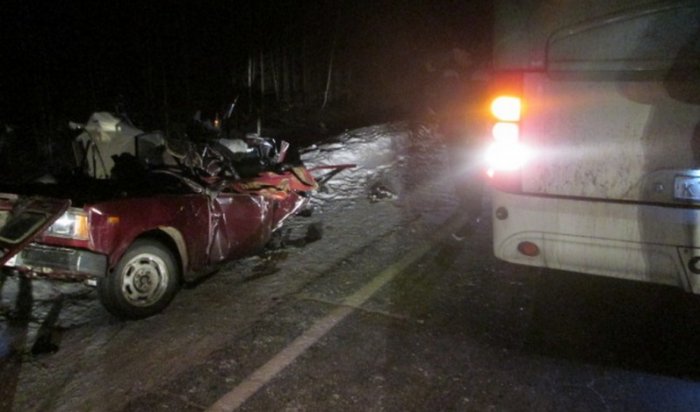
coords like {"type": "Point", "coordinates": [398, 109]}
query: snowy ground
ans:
{"type": "Point", "coordinates": [392, 160]}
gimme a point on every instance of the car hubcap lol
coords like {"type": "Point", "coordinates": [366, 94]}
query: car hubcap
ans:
{"type": "Point", "coordinates": [144, 280]}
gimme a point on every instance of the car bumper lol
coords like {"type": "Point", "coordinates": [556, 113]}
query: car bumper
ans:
{"type": "Point", "coordinates": [59, 262]}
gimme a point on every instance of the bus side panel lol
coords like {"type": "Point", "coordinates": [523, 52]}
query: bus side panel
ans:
{"type": "Point", "coordinates": [601, 139]}
{"type": "Point", "coordinates": [618, 239]}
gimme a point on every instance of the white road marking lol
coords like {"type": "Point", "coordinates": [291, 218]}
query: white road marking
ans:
{"type": "Point", "coordinates": [249, 386]}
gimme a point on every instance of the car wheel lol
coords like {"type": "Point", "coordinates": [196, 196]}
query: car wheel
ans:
{"type": "Point", "coordinates": [143, 283]}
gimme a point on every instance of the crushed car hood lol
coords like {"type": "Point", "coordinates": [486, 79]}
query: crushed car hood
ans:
{"type": "Point", "coordinates": [22, 218]}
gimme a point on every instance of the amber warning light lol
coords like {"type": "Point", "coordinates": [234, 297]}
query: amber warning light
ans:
{"type": "Point", "coordinates": [506, 152]}
{"type": "Point", "coordinates": [506, 108]}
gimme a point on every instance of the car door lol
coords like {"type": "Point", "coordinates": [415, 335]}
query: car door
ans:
{"type": "Point", "coordinates": [240, 224]}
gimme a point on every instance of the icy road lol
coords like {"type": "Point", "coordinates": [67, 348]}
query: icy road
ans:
{"type": "Point", "coordinates": [371, 306]}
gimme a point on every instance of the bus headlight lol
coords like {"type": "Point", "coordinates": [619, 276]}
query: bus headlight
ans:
{"type": "Point", "coordinates": [506, 156]}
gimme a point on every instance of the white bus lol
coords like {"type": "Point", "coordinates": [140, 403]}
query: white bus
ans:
{"type": "Point", "coordinates": [594, 157]}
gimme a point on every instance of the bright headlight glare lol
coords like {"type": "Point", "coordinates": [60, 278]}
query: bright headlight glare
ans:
{"type": "Point", "coordinates": [506, 132]}
{"type": "Point", "coordinates": [507, 156]}
{"type": "Point", "coordinates": [72, 224]}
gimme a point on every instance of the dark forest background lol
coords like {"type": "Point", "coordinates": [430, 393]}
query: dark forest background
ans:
{"type": "Point", "coordinates": [161, 61]}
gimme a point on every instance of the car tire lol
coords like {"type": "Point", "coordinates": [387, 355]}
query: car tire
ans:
{"type": "Point", "coordinates": [143, 283]}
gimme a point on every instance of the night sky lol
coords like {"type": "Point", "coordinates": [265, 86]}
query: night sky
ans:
{"type": "Point", "coordinates": [62, 62]}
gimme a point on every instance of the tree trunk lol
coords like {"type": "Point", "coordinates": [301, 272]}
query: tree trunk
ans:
{"type": "Point", "coordinates": [329, 77]}
{"type": "Point", "coordinates": [165, 100]}
{"type": "Point", "coordinates": [250, 85]}
{"type": "Point", "coordinates": [330, 60]}
{"type": "Point", "coordinates": [285, 76]}
{"type": "Point", "coordinates": [275, 75]}
{"type": "Point", "coordinates": [262, 73]}
{"type": "Point", "coordinates": [304, 72]}
{"type": "Point", "coordinates": [262, 90]}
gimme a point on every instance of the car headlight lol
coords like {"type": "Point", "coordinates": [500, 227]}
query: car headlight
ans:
{"type": "Point", "coordinates": [72, 224]}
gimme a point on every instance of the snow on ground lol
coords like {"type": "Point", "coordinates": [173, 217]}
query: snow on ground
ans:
{"type": "Point", "coordinates": [392, 160]}
{"type": "Point", "coordinates": [372, 149]}
{"type": "Point", "coordinates": [377, 151]}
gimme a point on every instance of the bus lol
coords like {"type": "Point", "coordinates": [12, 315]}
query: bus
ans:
{"type": "Point", "coordinates": [594, 149]}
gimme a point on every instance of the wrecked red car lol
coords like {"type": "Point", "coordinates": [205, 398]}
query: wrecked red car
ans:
{"type": "Point", "coordinates": [140, 235]}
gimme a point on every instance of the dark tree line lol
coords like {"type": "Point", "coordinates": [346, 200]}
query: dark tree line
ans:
{"type": "Point", "coordinates": [162, 61]}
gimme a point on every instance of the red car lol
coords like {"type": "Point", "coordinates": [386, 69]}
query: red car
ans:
{"type": "Point", "coordinates": [141, 241]}
{"type": "Point", "coordinates": [139, 235]}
